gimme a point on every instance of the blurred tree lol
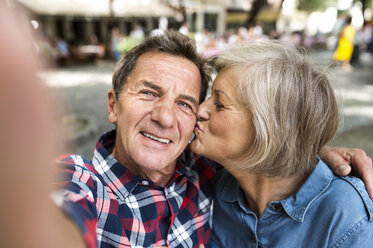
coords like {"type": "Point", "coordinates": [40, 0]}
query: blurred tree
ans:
{"type": "Point", "coordinates": [365, 4]}
{"type": "Point", "coordinates": [257, 5]}
{"type": "Point", "coordinates": [177, 5]}
{"type": "Point", "coordinates": [313, 5]}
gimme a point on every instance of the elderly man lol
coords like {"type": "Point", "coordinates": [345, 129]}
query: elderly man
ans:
{"type": "Point", "coordinates": [144, 187]}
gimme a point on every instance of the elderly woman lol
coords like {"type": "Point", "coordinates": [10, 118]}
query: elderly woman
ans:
{"type": "Point", "coordinates": [269, 115]}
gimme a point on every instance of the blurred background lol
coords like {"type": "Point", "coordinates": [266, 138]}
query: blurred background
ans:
{"type": "Point", "coordinates": [80, 41]}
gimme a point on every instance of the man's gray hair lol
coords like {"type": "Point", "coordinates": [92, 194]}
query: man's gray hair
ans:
{"type": "Point", "coordinates": [172, 43]}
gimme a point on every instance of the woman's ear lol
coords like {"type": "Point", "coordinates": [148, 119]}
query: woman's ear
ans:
{"type": "Point", "coordinates": [111, 106]}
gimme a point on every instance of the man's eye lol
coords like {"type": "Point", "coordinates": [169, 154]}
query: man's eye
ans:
{"type": "Point", "coordinates": [147, 92]}
{"type": "Point", "coordinates": [185, 105]}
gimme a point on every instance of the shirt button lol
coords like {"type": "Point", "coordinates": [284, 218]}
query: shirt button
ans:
{"type": "Point", "coordinates": [277, 207]}
{"type": "Point", "coordinates": [253, 236]}
{"type": "Point", "coordinates": [146, 183]}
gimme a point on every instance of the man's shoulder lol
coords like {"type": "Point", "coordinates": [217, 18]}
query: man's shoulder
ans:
{"type": "Point", "coordinates": [72, 166]}
{"type": "Point", "coordinates": [72, 159]}
{"type": "Point", "coordinates": [76, 162]}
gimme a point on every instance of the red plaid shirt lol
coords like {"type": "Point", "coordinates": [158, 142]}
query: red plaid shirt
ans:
{"type": "Point", "coordinates": [115, 208]}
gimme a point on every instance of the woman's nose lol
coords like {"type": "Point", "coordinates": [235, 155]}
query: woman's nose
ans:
{"type": "Point", "coordinates": [203, 111]}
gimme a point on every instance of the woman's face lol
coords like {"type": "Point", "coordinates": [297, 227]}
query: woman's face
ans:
{"type": "Point", "coordinates": [223, 131]}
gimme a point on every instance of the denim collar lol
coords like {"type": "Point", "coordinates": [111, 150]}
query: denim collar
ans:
{"type": "Point", "coordinates": [297, 204]}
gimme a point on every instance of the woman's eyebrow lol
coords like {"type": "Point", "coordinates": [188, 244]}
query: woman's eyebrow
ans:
{"type": "Point", "coordinates": [222, 92]}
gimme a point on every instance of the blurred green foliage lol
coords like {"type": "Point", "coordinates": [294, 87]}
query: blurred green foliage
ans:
{"type": "Point", "coordinates": [313, 5]}
{"type": "Point", "coordinates": [128, 43]}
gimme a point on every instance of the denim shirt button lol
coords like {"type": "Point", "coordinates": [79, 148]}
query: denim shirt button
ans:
{"type": "Point", "coordinates": [277, 207]}
{"type": "Point", "coordinates": [253, 236]}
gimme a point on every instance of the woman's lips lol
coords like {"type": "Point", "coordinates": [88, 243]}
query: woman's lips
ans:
{"type": "Point", "coordinates": [197, 127]}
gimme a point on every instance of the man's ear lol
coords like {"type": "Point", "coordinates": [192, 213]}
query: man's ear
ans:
{"type": "Point", "coordinates": [112, 106]}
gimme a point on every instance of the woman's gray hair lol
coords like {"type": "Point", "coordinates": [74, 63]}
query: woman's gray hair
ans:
{"type": "Point", "coordinates": [291, 102]}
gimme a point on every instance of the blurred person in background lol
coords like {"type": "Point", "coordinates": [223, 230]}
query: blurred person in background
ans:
{"type": "Point", "coordinates": [63, 53]}
{"type": "Point", "coordinates": [115, 41]}
{"type": "Point", "coordinates": [162, 27]}
{"type": "Point", "coordinates": [137, 33]}
{"type": "Point", "coordinates": [345, 46]}
{"type": "Point", "coordinates": [368, 34]}
{"type": "Point", "coordinates": [184, 29]}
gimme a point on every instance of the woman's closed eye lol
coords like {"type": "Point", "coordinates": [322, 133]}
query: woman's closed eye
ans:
{"type": "Point", "coordinates": [218, 105]}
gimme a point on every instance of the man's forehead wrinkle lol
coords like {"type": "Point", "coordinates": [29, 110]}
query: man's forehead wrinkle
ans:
{"type": "Point", "coordinates": [145, 61]}
{"type": "Point", "coordinates": [172, 69]}
{"type": "Point", "coordinates": [162, 61]}
{"type": "Point", "coordinates": [159, 73]}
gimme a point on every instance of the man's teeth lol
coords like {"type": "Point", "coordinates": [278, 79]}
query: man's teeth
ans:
{"type": "Point", "coordinates": [165, 141]}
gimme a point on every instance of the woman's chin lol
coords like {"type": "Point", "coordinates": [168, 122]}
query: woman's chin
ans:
{"type": "Point", "coordinates": [195, 145]}
{"type": "Point", "coordinates": [201, 148]}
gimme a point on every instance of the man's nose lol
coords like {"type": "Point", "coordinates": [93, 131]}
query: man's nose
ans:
{"type": "Point", "coordinates": [164, 113]}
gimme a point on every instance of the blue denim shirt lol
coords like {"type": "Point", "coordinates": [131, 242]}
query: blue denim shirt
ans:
{"type": "Point", "coordinates": [327, 211]}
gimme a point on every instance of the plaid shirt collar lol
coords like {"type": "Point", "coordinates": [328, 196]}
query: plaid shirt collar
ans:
{"type": "Point", "coordinates": [120, 179]}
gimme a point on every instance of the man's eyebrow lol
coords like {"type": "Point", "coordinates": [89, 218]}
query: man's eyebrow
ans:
{"type": "Point", "coordinates": [222, 92]}
{"type": "Point", "coordinates": [159, 88]}
{"type": "Point", "coordinates": [190, 99]}
{"type": "Point", "coordinates": [152, 85]}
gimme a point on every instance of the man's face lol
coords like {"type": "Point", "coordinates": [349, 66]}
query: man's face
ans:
{"type": "Point", "coordinates": [156, 112]}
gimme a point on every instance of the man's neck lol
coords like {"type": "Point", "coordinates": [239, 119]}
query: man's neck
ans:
{"type": "Point", "coordinates": [259, 190]}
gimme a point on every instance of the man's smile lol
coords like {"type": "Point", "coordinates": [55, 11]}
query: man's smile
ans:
{"type": "Point", "coordinates": [161, 140]}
